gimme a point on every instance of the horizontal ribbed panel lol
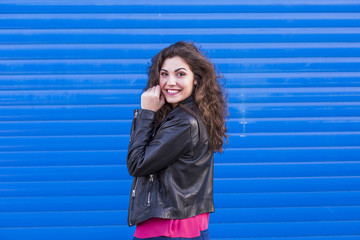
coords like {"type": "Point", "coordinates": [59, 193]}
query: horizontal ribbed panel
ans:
{"type": "Point", "coordinates": [71, 74]}
{"type": "Point", "coordinates": [120, 127]}
{"type": "Point", "coordinates": [111, 172]}
{"type": "Point", "coordinates": [129, 66]}
{"type": "Point", "coordinates": [127, 96]}
{"type": "Point", "coordinates": [206, 35]}
{"type": "Point", "coordinates": [249, 155]}
{"type": "Point", "coordinates": [114, 142]}
{"type": "Point", "coordinates": [228, 200]}
{"type": "Point", "coordinates": [177, 20]}
{"type": "Point", "coordinates": [141, 51]}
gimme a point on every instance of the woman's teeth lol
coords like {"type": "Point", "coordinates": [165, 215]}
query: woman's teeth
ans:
{"type": "Point", "coordinates": [173, 91]}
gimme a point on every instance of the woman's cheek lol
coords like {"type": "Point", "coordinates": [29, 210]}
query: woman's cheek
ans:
{"type": "Point", "coordinates": [161, 83]}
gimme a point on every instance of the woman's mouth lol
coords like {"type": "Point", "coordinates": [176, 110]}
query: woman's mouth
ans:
{"type": "Point", "coordinates": [172, 91]}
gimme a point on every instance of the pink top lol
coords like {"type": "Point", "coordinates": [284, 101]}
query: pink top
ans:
{"type": "Point", "coordinates": [186, 228]}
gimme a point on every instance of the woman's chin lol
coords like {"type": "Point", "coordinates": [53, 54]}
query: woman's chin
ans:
{"type": "Point", "coordinates": [172, 100]}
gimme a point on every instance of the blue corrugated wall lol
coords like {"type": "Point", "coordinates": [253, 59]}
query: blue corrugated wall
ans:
{"type": "Point", "coordinates": [71, 73]}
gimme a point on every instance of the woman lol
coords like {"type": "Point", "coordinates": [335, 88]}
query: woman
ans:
{"type": "Point", "coordinates": [174, 135]}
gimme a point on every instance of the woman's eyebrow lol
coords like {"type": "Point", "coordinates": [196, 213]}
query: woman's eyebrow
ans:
{"type": "Point", "coordinates": [175, 70]}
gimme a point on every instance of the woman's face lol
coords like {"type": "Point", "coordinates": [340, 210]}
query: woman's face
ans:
{"type": "Point", "coordinates": [176, 80]}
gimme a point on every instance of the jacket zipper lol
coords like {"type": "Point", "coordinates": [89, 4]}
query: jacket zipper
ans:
{"type": "Point", "coordinates": [134, 124]}
{"type": "Point", "coordinates": [151, 179]}
{"type": "Point", "coordinates": [136, 113]}
{"type": "Point", "coordinates": [133, 192]}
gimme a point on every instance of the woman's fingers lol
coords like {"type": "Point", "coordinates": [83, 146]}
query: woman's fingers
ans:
{"type": "Point", "coordinates": [157, 90]}
{"type": "Point", "coordinates": [152, 99]}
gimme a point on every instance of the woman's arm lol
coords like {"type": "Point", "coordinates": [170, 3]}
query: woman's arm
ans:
{"type": "Point", "coordinates": [147, 156]}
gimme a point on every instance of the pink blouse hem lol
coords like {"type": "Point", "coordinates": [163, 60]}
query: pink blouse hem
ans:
{"type": "Point", "coordinates": [186, 228]}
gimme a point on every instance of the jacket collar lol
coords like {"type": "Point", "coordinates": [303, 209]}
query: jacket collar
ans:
{"type": "Point", "coordinates": [188, 100]}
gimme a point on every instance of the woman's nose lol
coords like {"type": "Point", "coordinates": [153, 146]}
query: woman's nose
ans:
{"type": "Point", "coordinates": [171, 80]}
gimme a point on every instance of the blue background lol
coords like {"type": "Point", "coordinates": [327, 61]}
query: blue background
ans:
{"type": "Point", "coordinates": [71, 73]}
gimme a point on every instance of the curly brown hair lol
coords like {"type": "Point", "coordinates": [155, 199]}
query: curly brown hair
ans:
{"type": "Point", "coordinates": [210, 95]}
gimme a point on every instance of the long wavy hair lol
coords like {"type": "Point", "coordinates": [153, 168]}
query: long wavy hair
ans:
{"type": "Point", "coordinates": [210, 95]}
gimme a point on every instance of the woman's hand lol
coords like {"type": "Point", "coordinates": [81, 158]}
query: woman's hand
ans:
{"type": "Point", "coordinates": [152, 99]}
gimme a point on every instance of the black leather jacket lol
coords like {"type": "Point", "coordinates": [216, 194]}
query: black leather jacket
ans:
{"type": "Point", "coordinates": [172, 166]}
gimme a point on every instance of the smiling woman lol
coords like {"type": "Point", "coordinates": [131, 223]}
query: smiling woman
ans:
{"type": "Point", "coordinates": [174, 136]}
{"type": "Point", "coordinates": [176, 80]}
{"type": "Point", "coordinates": [207, 91]}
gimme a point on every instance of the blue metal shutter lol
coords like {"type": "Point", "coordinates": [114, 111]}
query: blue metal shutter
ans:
{"type": "Point", "coordinates": [71, 74]}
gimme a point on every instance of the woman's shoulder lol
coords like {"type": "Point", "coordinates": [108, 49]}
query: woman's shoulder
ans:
{"type": "Point", "coordinates": [179, 120]}
{"type": "Point", "coordinates": [182, 120]}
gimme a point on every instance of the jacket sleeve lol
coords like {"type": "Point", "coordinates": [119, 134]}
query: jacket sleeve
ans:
{"type": "Point", "coordinates": [147, 156]}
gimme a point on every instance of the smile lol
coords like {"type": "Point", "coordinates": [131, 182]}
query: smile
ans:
{"type": "Point", "coordinates": [172, 91]}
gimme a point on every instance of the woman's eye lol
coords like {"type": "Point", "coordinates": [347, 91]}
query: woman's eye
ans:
{"type": "Point", "coordinates": [163, 74]}
{"type": "Point", "coordinates": [181, 74]}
